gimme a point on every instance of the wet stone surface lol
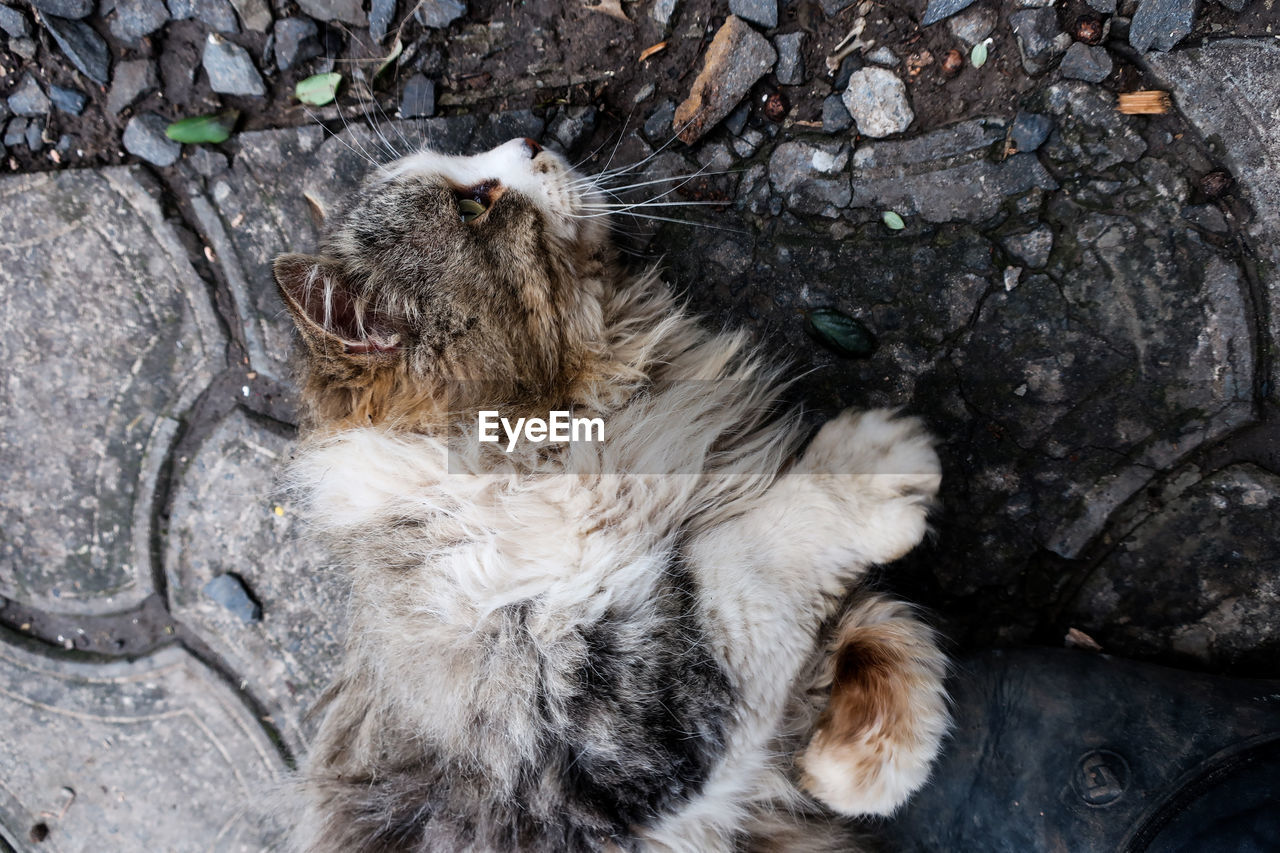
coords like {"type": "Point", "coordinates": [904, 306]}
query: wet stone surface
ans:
{"type": "Point", "coordinates": [93, 398]}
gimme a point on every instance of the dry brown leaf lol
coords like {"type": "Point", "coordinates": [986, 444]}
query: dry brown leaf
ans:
{"type": "Point", "coordinates": [612, 8]}
{"type": "Point", "coordinates": [1146, 102]}
{"type": "Point", "coordinates": [652, 49]}
{"type": "Point", "coordinates": [1080, 640]}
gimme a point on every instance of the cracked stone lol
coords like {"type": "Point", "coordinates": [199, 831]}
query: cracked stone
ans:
{"type": "Point", "coordinates": [74, 9]}
{"type": "Point", "coordinates": [111, 747]}
{"type": "Point", "coordinates": [218, 15]}
{"type": "Point", "coordinates": [418, 100]}
{"type": "Point", "coordinates": [945, 175]}
{"type": "Point", "coordinates": [296, 41]}
{"type": "Point", "coordinates": [937, 10]}
{"type": "Point", "coordinates": [1092, 134]}
{"type": "Point", "coordinates": [811, 177]}
{"type": "Point", "coordinates": [1031, 248]}
{"type": "Point", "coordinates": [440, 13]}
{"type": "Point", "coordinates": [1040, 39]}
{"type": "Point", "coordinates": [144, 137]}
{"type": "Point", "coordinates": [1198, 579]}
{"type": "Point", "coordinates": [134, 19]}
{"type": "Point", "coordinates": [136, 343]}
{"type": "Point", "coordinates": [1161, 24]}
{"type": "Point", "coordinates": [230, 68]}
{"type": "Point", "coordinates": [84, 47]}
{"type": "Point", "coordinates": [240, 576]}
{"type": "Point", "coordinates": [132, 78]}
{"type": "Point", "coordinates": [973, 25]}
{"type": "Point", "coordinates": [29, 99]}
{"type": "Point", "coordinates": [737, 57]}
{"type": "Point", "coordinates": [877, 100]}
{"type": "Point", "coordinates": [790, 68]}
{"type": "Point", "coordinates": [1084, 62]}
{"type": "Point", "coordinates": [762, 12]}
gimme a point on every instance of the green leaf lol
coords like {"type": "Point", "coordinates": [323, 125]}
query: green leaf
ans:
{"type": "Point", "coordinates": [892, 221]}
{"type": "Point", "coordinates": [210, 129]}
{"type": "Point", "coordinates": [318, 89]}
{"type": "Point", "coordinates": [396, 50]}
{"type": "Point", "coordinates": [978, 56]}
{"type": "Point", "coordinates": [840, 332]}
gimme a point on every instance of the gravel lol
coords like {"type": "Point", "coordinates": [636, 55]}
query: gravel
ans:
{"type": "Point", "coordinates": [74, 9]}
{"type": "Point", "coordinates": [762, 12]}
{"type": "Point", "coordinates": [70, 101]}
{"type": "Point", "coordinates": [297, 40]}
{"type": "Point", "coordinates": [790, 67]}
{"type": "Point", "coordinates": [937, 10]}
{"type": "Point", "coordinates": [1040, 39]}
{"type": "Point", "coordinates": [973, 25]}
{"type": "Point", "coordinates": [440, 13]}
{"type": "Point", "coordinates": [1032, 248]}
{"type": "Point", "coordinates": [29, 99]}
{"type": "Point", "coordinates": [14, 23]}
{"type": "Point", "coordinates": [835, 118]}
{"type": "Point", "coordinates": [1030, 130]}
{"type": "Point", "coordinates": [877, 100]}
{"type": "Point", "coordinates": [419, 98]}
{"type": "Point", "coordinates": [144, 137]}
{"type": "Point", "coordinates": [231, 71]}
{"type": "Point", "coordinates": [381, 13]}
{"type": "Point", "coordinates": [134, 19]}
{"type": "Point", "coordinates": [1082, 62]}
{"type": "Point", "coordinates": [254, 14]}
{"type": "Point", "coordinates": [658, 126]}
{"type": "Point", "coordinates": [132, 78]}
{"type": "Point", "coordinates": [1161, 24]}
{"type": "Point", "coordinates": [84, 47]}
{"type": "Point", "coordinates": [217, 15]}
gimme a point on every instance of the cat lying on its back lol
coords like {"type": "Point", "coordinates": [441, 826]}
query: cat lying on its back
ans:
{"type": "Point", "coordinates": [588, 646]}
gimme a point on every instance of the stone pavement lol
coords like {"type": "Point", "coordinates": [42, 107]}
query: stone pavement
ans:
{"type": "Point", "coordinates": [1087, 324]}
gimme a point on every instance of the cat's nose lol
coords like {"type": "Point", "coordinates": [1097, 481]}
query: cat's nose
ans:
{"type": "Point", "coordinates": [532, 147]}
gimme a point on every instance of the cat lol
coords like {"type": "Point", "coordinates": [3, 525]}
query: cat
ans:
{"type": "Point", "coordinates": [628, 644]}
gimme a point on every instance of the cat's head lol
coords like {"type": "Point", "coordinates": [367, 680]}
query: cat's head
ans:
{"type": "Point", "coordinates": [485, 270]}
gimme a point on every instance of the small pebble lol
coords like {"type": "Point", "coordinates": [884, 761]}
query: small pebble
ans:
{"type": "Point", "coordinates": [70, 101]}
{"type": "Point", "coordinates": [419, 98]}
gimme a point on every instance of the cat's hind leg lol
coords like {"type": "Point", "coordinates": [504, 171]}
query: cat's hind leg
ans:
{"type": "Point", "coordinates": [887, 714]}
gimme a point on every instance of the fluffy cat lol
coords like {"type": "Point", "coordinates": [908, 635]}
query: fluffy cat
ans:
{"type": "Point", "coordinates": [630, 644]}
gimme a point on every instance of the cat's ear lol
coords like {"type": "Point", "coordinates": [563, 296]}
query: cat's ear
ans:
{"type": "Point", "coordinates": [327, 309]}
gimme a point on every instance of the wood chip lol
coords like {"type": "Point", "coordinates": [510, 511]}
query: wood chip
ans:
{"type": "Point", "coordinates": [652, 49]}
{"type": "Point", "coordinates": [1146, 102]}
{"type": "Point", "coordinates": [1080, 640]}
{"type": "Point", "coordinates": [612, 8]}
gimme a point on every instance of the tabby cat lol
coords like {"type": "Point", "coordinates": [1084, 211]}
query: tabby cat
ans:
{"type": "Point", "coordinates": [646, 642]}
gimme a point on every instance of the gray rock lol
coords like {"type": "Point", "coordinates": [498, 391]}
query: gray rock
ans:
{"type": "Point", "coordinates": [737, 57]}
{"type": "Point", "coordinates": [811, 177]}
{"type": "Point", "coordinates": [835, 118]}
{"type": "Point", "coordinates": [662, 11]}
{"type": "Point", "coordinates": [1031, 248]}
{"type": "Point", "coordinates": [748, 144]}
{"type": "Point", "coordinates": [883, 56]}
{"type": "Point", "coordinates": [134, 19]}
{"type": "Point", "coordinates": [347, 11]}
{"type": "Point", "coordinates": [74, 9]}
{"type": "Point", "coordinates": [1091, 132]}
{"type": "Point", "coordinates": [217, 15]}
{"type": "Point", "coordinates": [14, 23]}
{"type": "Point", "coordinates": [737, 120]}
{"type": "Point", "coordinates": [137, 343]}
{"type": "Point", "coordinates": [1208, 217]}
{"type": "Point", "coordinates": [254, 14]}
{"type": "Point", "coordinates": [145, 754]}
{"type": "Point", "coordinates": [34, 135]}
{"type": "Point", "coordinates": [15, 132]}
{"type": "Point", "coordinates": [1030, 130]}
{"type": "Point", "coordinates": [1233, 5]}
{"type": "Point", "coordinates": [132, 78]}
{"type": "Point", "coordinates": [29, 99]}
{"type": "Point", "coordinates": [1241, 114]}
{"type": "Point", "coordinates": [84, 47]}
{"type": "Point", "coordinates": [1040, 39]}
{"type": "Point", "coordinates": [1161, 24]}
{"type": "Point", "coordinates": [940, 9]}
{"type": "Point", "coordinates": [144, 137]}
{"type": "Point", "coordinates": [572, 126]}
{"type": "Point", "coordinates": [790, 67]}
{"type": "Point", "coordinates": [381, 14]}
{"type": "Point", "coordinates": [229, 591]}
{"type": "Point", "coordinates": [1106, 7]}
{"type": "Point", "coordinates": [657, 128]}
{"type": "Point", "coordinates": [440, 13]}
{"type": "Point", "coordinates": [877, 100]}
{"type": "Point", "coordinates": [973, 25]}
{"type": "Point", "coordinates": [418, 100]}
{"type": "Point", "coordinates": [70, 101]}
{"type": "Point", "coordinates": [762, 12]}
{"type": "Point", "coordinates": [243, 578]}
{"type": "Point", "coordinates": [26, 48]}
{"type": "Point", "coordinates": [297, 40]}
{"type": "Point", "coordinates": [231, 70]}
{"type": "Point", "coordinates": [1197, 578]}
{"type": "Point", "coordinates": [206, 161]}
{"type": "Point", "coordinates": [498, 128]}
{"type": "Point", "coordinates": [944, 175]}
{"type": "Point", "coordinates": [848, 65]}
{"type": "Point", "coordinates": [1085, 62]}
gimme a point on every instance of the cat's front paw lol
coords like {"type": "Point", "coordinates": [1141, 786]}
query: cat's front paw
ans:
{"type": "Point", "coordinates": [884, 469]}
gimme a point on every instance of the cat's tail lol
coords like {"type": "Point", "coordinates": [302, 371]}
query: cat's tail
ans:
{"type": "Point", "coordinates": [887, 715]}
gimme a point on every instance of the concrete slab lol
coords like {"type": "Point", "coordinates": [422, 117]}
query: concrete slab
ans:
{"type": "Point", "coordinates": [153, 754]}
{"type": "Point", "coordinates": [231, 522]}
{"type": "Point", "coordinates": [107, 336]}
